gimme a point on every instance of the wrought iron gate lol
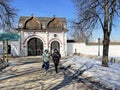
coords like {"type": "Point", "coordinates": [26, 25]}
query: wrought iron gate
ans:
{"type": "Point", "coordinates": [35, 47]}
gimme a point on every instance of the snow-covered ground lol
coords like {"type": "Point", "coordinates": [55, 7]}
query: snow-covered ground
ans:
{"type": "Point", "coordinates": [92, 69]}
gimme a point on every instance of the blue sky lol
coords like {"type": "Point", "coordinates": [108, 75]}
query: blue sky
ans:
{"type": "Point", "coordinates": [59, 8]}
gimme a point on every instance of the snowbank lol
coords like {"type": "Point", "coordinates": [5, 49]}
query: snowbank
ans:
{"type": "Point", "coordinates": [92, 69]}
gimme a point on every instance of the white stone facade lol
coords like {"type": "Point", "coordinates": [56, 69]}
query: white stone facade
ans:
{"type": "Point", "coordinates": [15, 48]}
{"type": "Point", "coordinates": [46, 37]}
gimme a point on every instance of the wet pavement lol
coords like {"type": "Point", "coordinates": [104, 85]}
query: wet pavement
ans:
{"type": "Point", "coordinates": [25, 73]}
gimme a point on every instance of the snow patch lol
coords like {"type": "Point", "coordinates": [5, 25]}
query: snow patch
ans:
{"type": "Point", "coordinates": [108, 76]}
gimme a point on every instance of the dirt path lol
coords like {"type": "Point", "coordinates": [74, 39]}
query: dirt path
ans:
{"type": "Point", "coordinates": [27, 74]}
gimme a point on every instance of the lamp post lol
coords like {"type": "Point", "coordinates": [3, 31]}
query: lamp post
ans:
{"type": "Point", "coordinates": [98, 46]}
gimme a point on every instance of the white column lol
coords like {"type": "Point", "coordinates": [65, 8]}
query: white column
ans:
{"type": "Point", "coordinates": [22, 44]}
{"type": "Point", "coordinates": [47, 40]}
{"type": "Point", "coordinates": [65, 40]}
{"type": "Point", "coordinates": [64, 43]}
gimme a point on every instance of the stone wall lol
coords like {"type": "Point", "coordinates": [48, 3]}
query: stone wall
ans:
{"type": "Point", "coordinates": [15, 48]}
{"type": "Point", "coordinates": [114, 50]}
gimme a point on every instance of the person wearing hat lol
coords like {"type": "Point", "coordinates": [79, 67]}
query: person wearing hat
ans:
{"type": "Point", "coordinates": [46, 59]}
{"type": "Point", "coordinates": [56, 58]}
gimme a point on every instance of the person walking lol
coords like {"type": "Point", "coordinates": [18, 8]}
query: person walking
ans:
{"type": "Point", "coordinates": [46, 59]}
{"type": "Point", "coordinates": [56, 59]}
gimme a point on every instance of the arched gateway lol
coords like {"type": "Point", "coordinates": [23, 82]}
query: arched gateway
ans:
{"type": "Point", "coordinates": [35, 46]}
{"type": "Point", "coordinates": [55, 45]}
{"type": "Point", "coordinates": [40, 33]}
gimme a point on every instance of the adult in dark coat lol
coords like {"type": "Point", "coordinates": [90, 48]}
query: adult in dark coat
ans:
{"type": "Point", "coordinates": [56, 59]}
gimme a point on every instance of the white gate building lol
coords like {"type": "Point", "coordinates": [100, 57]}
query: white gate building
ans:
{"type": "Point", "coordinates": [40, 33]}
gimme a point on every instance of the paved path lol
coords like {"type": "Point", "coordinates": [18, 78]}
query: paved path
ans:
{"type": "Point", "coordinates": [27, 74]}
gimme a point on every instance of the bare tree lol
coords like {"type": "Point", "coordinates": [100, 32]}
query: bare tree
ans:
{"type": "Point", "coordinates": [7, 15]}
{"type": "Point", "coordinates": [92, 13]}
{"type": "Point", "coordinates": [78, 36]}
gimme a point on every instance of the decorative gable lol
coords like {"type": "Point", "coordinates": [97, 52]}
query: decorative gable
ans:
{"type": "Point", "coordinates": [42, 24]}
{"type": "Point", "coordinates": [32, 23]}
{"type": "Point", "coordinates": [54, 24]}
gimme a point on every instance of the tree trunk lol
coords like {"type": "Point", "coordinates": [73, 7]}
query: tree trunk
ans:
{"type": "Point", "coordinates": [105, 49]}
{"type": "Point", "coordinates": [106, 36]}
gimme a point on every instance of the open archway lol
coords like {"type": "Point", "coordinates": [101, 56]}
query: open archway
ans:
{"type": "Point", "coordinates": [55, 45]}
{"type": "Point", "coordinates": [35, 47]}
